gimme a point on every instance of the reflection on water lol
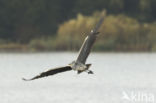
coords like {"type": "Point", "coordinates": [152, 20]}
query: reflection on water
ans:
{"type": "Point", "coordinates": [114, 73]}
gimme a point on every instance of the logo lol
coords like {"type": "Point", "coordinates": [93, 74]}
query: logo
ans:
{"type": "Point", "coordinates": [138, 96]}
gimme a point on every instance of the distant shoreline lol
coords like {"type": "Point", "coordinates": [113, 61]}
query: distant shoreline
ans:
{"type": "Point", "coordinates": [19, 48]}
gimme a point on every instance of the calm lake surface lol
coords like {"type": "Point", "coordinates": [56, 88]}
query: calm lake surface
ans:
{"type": "Point", "coordinates": [116, 75]}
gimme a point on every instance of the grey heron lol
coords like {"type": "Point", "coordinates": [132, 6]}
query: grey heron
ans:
{"type": "Point", "coordinates": [79, 64]}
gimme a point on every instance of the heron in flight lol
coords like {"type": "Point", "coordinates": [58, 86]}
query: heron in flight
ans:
{"type": "Point", "coordinates": [79, 64]}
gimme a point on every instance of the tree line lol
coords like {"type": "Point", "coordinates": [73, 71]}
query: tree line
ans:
{"type": "Point", "coordinates": [23, 20]}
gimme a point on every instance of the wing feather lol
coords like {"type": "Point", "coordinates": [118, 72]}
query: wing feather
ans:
{"type": "Point", "coordinates": [50, 72]}
{"type": "Point", "coordinates": [88, 43]}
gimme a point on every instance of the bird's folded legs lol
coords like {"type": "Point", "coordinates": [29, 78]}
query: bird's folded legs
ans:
{"type": "Point", "coordinates": [89, 72]}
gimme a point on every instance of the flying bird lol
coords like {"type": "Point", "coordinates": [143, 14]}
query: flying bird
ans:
{"type": "Point", "coordinates": [79, 64]}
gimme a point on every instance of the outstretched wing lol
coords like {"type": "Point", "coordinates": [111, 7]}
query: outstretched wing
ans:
{"type": "Point", "coordinates": [88, 43]}
{"type": "Point", "coordinates": [50, 72]}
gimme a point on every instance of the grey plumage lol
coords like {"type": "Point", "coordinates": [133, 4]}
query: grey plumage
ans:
{"type": "Point", "coordinates": [78, 65]}
{"type": "Point", "coordinates": [88, 43]}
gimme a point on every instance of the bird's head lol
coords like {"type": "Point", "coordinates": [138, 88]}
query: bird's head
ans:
{"type": "Point", "coordinates": [72, 63]}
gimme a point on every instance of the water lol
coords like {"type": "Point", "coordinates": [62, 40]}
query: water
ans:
{"type": "Point", "coordinates": [114, 75]}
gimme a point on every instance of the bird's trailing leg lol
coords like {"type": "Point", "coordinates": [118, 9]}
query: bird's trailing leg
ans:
{"type": "Point", "coordinates": [85, 70]}
{"type": "Point", "coordinates": [89, 72]}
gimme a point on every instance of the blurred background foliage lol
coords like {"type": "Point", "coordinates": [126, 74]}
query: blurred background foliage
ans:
{"type": "Point", "coordinates": [46, 25]}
